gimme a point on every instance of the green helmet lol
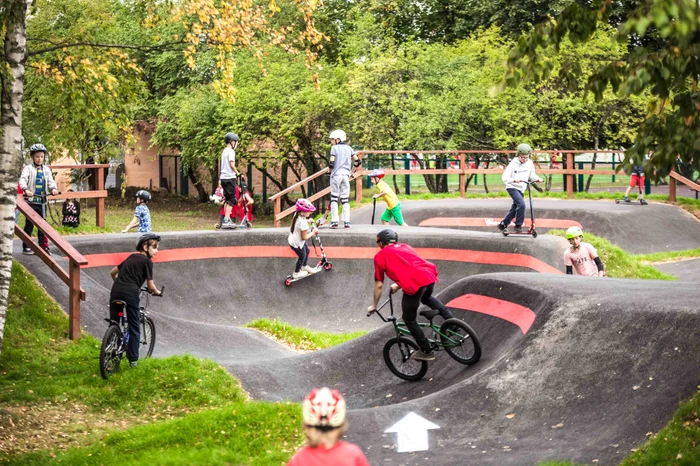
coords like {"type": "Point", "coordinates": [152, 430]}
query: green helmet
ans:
{"type": "Point", "coordinates": [524, 149]}
{"type": "Point", "coordinates": [574, 232]}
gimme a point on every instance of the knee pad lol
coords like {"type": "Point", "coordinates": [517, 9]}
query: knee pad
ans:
{"type": "Point", "coordinates": [344, 201]}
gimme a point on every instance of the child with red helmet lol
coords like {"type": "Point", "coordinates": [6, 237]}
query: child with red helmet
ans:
{"type": "Point", "coordinates": [393, 206]}
{"type": "Point", "coordinates": [299, 232]}
{"type": "Point", "coordinates": [323, 412]}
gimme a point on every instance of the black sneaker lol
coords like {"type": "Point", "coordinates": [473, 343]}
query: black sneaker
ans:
{"type": "Point", "coordinates": [347, 224]}
{"type": "Point", "coordinates": [47, 251]}
{"type": "Point", "coordinates": [501, 226]}
{"type": "Point", "coordinates": [27, 251]}
{"type": "Point", "coordinates": [334, 225]}
{"type": "Point", "coordinates": [518, 229]}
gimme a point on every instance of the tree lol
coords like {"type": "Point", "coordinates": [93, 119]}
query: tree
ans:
{"type": "Point", "coordinates": [13, 14]}
{"type": "Point", "coordinates": [667, 67]}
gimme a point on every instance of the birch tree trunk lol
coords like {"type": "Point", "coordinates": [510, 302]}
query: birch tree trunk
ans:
{"type": "Point", "coordinates": [13, 15]}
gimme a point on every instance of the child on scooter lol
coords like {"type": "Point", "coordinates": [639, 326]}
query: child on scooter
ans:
{"type": "Point", "coordinates": [518, 171]}
{"type": "Point", "coordinates": [299, 232]}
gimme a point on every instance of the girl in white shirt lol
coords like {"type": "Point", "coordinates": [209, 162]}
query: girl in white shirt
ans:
{"type": "Point", "coordinates": [299, 232]}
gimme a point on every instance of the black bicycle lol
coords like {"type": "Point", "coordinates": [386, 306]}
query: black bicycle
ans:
{"type": "Point", "coordinates": [116, 339]}
{"type": "Point", "coordinates": [454, 336]}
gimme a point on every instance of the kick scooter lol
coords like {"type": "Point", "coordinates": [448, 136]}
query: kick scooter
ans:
{"type": "Point", "coordinates": [531, 231]}
{"type": "Point", "coordinates": [323, 263]}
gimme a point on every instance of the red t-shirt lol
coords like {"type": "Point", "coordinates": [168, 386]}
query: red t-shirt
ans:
{"type": "Point", "coordinates": [341, 454]}
{"type": "Point", "coordinates": [401, 264]}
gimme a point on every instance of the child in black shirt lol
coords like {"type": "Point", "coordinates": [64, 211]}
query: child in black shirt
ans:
{"type": "Point", "coordinates": [129, 277]}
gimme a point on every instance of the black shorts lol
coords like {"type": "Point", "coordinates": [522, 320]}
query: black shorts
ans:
{"type": "Point", "coordinates": [229, 187]}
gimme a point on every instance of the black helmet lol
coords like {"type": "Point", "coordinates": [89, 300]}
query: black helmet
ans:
{"type": "Point", "coordinates": [387, 236]}
{"type": "Point", "coordinates": [144, 195]}
{"type": "Point", "coordinates": [37, 148]}
{"type": "Point", "coordinates": [146, 237]}
{"type": "Point", "coordinates": [230, 137]}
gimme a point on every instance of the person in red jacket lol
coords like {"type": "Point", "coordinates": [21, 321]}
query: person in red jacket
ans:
{"type": "Point", "coordinates": [323, 412]}
{"type": "Point", "coordinates": [415, 276]}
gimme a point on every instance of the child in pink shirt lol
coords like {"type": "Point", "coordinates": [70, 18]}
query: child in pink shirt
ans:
{"type": "Point", "coordinates": [581, 256]}
{"type": "Point", "coordinates": [324, 424]}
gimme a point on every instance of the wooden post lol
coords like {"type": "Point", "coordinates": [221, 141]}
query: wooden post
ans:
{"type": "Point", "coordinates": [358, 189]}
{"type": "Point", "coordinates": [100, 204]}
{"type": "Point", "coordinates": [74, 300]}
{"type": "Point", "coordinates": [569, 177]}
{"type": "Point", "coordinates": [672, 187]}
{"type": "Point", "coordinates": [278, 209]}
{"type": "Point", "coordinates": [462, 176]}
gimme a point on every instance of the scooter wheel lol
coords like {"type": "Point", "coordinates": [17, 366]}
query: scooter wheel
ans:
{"type": "Point", "coordinates": [327, 266]}
{"type": "Point", "coordinates": [534, 233]}
{"type": "Point", "coordinates": [617, 201]}
{"type": "Point", "coordinates": [288, 282]}
{"type": "Point", "coordinates": [505, 232]}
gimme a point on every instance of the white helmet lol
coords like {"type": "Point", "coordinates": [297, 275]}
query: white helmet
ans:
{"type": "Point", "coordinates": [338, 134]}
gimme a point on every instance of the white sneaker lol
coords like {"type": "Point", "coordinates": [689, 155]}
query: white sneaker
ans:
{"type": "Point", "coordinates": [300, 274]}
{"type": "Point", "coordinates": [309, 269]}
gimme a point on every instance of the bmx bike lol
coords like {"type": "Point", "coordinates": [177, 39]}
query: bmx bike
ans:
{"type": "Point", "coordinates": [454, 336]}
{"type": "Point", "coordinates": [116, 339]}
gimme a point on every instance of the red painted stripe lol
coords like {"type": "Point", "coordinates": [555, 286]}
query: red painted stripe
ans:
{"type": "Point", "coordinates": [519, 315]}
{"type": "Point", "coordinates": [339, 252]}
{"type": "Point", "coordinates": [492, 222]}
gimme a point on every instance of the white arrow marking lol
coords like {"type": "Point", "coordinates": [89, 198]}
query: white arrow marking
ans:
{"type": "Point", "coordinates": [412, 432]}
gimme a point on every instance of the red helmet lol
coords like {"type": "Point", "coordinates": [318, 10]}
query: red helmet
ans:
{"type": "Point", "coordinates": [303, 205]}
{"type": "Point", "coordinates": [324, 407]}
{"type": "Point", "coordinates": [378, 173]}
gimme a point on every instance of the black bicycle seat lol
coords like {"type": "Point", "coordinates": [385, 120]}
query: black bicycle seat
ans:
{"type": "Point", "coordinates": [429, 314]}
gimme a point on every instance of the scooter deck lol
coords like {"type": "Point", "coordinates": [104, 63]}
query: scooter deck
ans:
{"type": "Point", "coordinates": [637, 202]}
{"type": "Point", "coordinates": [532, 233]}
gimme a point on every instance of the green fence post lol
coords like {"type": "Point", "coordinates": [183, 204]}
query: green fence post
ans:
{"type": "Point", "coordinates": [407, 166]}
{"type": "Point", "coordinates": [580, 178]}
{"type": "Point", "coordinates": [647, 185]}
{"type": "Point", "coordinates": [613, 167]}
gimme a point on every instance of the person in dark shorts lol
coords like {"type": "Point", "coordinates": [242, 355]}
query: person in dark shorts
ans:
{"type": "Point", "coordinates": [227, 178]}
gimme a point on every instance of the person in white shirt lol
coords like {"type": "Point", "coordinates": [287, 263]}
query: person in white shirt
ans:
{"type": "Point", "coordinates": [517, 173]}
{"type": "Point", "coordinates": [229, 173]}
{"type": "Point", "coordinates": [339, 163]}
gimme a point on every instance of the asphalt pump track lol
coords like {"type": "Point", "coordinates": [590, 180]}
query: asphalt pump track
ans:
{"type": "Point", "coordinates": [572, 369]}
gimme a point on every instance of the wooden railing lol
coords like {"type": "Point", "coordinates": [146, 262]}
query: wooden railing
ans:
{"type": "Point", "coordinates": [100, 193]}
{"type": "Point", "coordinates": [673, 180]}
{"type": "Point", "coordinates": [75, 260]}
{"type": "Point", "coordinates": [463, 171]}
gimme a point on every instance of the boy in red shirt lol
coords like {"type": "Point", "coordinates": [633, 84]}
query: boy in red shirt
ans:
{"type": "Point", "coordinates": [415, 276]}
{"type": "Point", "coordinates": [323, 411]}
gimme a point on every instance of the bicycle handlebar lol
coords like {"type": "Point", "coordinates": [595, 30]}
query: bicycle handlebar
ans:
{"type": "Point", "coordinates": [391, 306]}
{"type": "Point", "coordinates": [162, 290]}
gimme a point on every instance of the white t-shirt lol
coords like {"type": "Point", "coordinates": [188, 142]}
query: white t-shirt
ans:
{"type": "Point", "coordinates": [294, 239]}
{"type": "Point", "coordinates": [227, 172]}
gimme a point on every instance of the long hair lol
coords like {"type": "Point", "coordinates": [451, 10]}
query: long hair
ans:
{"type": "Point", "coordinates": [294, 221]}
{"type": "Point", "coordinates": [326, 437]}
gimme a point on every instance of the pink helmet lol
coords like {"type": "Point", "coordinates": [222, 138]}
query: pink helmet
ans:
{"type": "Point", "coordinates": [324, 407]}
{"type": "Point", "coordinates": [303, 205]}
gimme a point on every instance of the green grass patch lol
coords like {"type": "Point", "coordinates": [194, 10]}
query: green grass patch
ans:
{"type": "Point", "coordinates": [301, 338]}
{"type": "Point", "coordinates": [678, 443]}
{"type": "Point", "coordinates": [618, 263]}
{"type": "Point", "coordinates": [669, 256]}
{"type": "Point", "coordinates": [194, 411]}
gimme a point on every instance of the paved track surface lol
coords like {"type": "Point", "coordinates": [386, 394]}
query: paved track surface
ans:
{"type": "Point", "coordinates": [635, 228]}
{"type": "Point", "coordinates": [602, 363]}
{"type": "Point", "coordinates": [687, 270]}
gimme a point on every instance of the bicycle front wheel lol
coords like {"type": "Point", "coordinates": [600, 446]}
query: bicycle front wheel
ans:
{"type": "Point", "coordinates": [110, 356]}
{"type": "Point", "coordinates": [148, 337]}
{"type": "Point", "coordinates": [397, 356]}
{"type": "Point", "coordinates": [460, 341]}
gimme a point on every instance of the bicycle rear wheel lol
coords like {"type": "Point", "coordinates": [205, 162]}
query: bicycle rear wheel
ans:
{"type": "Point", "coordinates": [148, 337]}
{"type": "Point", "coordinates": [397, 356]}
{"type": "Point", "coordinates": [110, 356]}
{"type": "Point", "coordinates": [460, 341]}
